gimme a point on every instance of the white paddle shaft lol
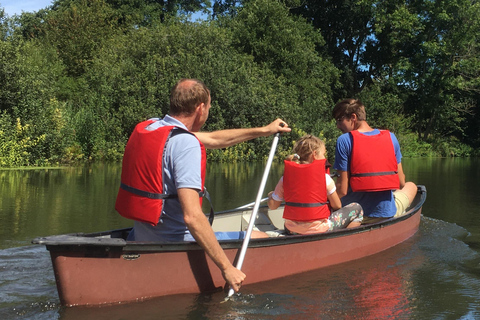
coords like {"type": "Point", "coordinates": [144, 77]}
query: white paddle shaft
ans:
{"type": "Point", "coordinates": [243, 251]}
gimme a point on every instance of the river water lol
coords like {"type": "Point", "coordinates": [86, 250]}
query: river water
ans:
{"type": "Point", "coordinates": [433, 275]}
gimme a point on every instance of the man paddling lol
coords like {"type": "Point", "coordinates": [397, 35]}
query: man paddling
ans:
{"type": "Point", "coordinates": [368, 162]}
{"type": "Point", "coordinates": [163, 174]}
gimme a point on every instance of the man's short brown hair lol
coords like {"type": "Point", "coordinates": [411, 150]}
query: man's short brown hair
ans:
{"type": "Point", "coordinates": [186, 95]}
{"type": "Point", "coordinates": [346, 108]}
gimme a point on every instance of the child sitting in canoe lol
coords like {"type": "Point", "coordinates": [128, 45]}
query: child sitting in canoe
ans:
{"type": "Point", "coordinates": [310, 194]}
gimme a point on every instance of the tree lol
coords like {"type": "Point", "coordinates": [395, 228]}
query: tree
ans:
{"type": "Point", "coordinates": [287, 45]}
{"type": "Point", "coordinates": [79, 30]}
{"type": "Point", "coordinates": [133, 74]}
{"type": "Point", "coordinates": [417, 51]}
{"type": "Point", "coordinates": [432, 67]}
{"type": "Point", "coordinates": [346, 26]}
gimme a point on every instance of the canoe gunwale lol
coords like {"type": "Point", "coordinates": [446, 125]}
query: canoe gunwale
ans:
{"type": "Point", "coordinates": [99, 240]}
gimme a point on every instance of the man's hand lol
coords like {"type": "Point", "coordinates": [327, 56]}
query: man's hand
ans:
{"type": "Point", "coordinates": [234, 277]}
{"type": "Point", "coordinates": [277, 126]}
{"type": "Point", "coordinates": [201, 230]}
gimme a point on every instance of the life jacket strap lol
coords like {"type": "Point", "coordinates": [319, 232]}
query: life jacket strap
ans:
{"type": "Point", "coordinates": [146, 194]}
{"type": "Point", "coordinates": [161, 196]}
{"type": "Point", "coordinates": [306, 205]}
{"type": "Point", "coordinates": [205, 194]}
{"type": "Point", "coordinates": [372, 174]}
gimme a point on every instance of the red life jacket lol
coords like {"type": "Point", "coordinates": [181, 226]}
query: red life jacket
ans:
{"type": "Point", "coordinates": [141, 196]}
{"type": "Point", "coordinates": [305, 191]}
{"type": "Point", "coordinates": [373, 165]}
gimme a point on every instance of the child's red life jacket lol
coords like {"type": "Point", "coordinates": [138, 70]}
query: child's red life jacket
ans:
{"type": "Point", "coordinates": [305, 191]}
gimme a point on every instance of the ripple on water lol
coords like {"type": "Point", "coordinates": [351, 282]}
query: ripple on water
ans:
{"type": "Point", "coordinates": [450, 278]}
{"type": "Point", "coordinates": [27, 284]}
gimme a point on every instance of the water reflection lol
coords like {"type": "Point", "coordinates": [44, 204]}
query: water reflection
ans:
{"type": "Point", "coordinates": [453, 185]}
{"type": "Point", "coordinates": [235, 184]}
{"type": "Point", "coordinates": [52, 201]}
{"type": "Point", "coordinates": [377, 287]}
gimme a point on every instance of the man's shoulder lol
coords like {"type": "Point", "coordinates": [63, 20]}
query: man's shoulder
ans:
{"type": "Point", "coordinates": [344, 140]}
{"type": "Point", "coordinates": [184, 136]}
{"type": "Point", "coordinates": [372, 132]}
{"type": "Point", "coordinates": [392, 135]}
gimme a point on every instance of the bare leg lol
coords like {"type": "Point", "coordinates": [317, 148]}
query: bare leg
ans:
{"type": "Point", "coordinates": [410, 190]}
{"type": "Point", "coordinates": [354, 224]}
{"type": "Point", "coordinates": [258, 234]}
{"type": "Point", "coordinates": [407, 193]}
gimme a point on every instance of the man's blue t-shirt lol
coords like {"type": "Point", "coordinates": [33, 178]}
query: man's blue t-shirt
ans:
{"type": "Point", "coordinates": [379, 204]}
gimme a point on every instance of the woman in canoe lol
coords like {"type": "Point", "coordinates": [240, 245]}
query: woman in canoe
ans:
{"type": "Point", "coordinates": [311, 201]}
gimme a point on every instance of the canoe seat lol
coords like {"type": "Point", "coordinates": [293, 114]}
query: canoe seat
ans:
{"type": "Point", "coordinates": [262, 222]}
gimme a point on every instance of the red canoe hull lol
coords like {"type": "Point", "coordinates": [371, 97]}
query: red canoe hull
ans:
{"type": "Point", "coordinates": [95, 274]}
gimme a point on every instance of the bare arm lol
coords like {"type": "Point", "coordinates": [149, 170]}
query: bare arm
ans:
{"type": "Point", "coordinates": [342, 183]}
{"type": "Point", "coordinates": [401, 175]}
{"type": "Point", "coordinates": [334, 200]}
{"type": "Point", "coordinates": [229, 137]}
{"type": "Point", "coordinates": [273, 204]}
{"type": "Point", "coordinates": [201, 230]}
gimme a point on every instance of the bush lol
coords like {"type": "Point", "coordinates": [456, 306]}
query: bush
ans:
{"type": "Point", "coordinates": [16, 143]}
{"type": "Point", "coordinates": [413, 147]}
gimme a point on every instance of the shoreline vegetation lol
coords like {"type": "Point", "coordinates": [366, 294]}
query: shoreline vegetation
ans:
{"type": "Point", "coordinates": [89, 164]}
{"type": "Point", "coordinates": [77, 76]}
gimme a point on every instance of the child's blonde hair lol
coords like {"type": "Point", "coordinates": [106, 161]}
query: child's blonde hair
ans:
{"type": "Point", "coordinates": [304, 147]}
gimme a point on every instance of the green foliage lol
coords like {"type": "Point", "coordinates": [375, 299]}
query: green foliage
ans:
{"type": "Point", "coordinates": [240, 152]}
{"type": "Point", "coordinates": [452, 147]}
{"type": "Point", "coordinates": [414, 147]}
{"type": "Point", "coordinates": [79, 30]}
{"type": "Point", "coordinates": [384, 109]}
{"type": "Point", "coordinates": [138, 69]}
{"type": "Point", "coordinates": [16, 143]}
{"type": "Point", "coordinates": [9, 94]}
{"type": "Point", "coordinates": [77, 76]}
{"type": "Point", "coordinates": [416, 50]}
{"type": "Point", "coordinates": [287, 45]}
{"type": "Point", "coordinates": [3, 25]}
{"type": "Point", "coordinates": [346, 27]}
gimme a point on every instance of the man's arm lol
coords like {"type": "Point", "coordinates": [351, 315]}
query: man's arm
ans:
{"type": "Point", "coordinates": [201, 230]}
{"type": "Point", "coordinates": [342, 183]}
{"type": "Point", "coordinates": [229, 137]}
{"type": "Point", "coordinates": [398, 156]}
{"type": "Point", "coordinates": [401, 175]}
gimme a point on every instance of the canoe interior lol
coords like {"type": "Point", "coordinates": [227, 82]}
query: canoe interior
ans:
{"type": "Point", "coordinates": [267, 220]}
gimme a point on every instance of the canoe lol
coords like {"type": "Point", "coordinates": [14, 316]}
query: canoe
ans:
{"type": "Point", "coordinates": [104, 268]}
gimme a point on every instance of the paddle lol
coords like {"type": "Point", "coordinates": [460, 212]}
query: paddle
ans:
{"type": "Point", "coordinates": [249, 205]}
{"type": "Point", "coordinates": [255, 208]}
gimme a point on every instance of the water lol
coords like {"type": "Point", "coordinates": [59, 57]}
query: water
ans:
{"type": "Point", "coordinates": [433, 275]}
